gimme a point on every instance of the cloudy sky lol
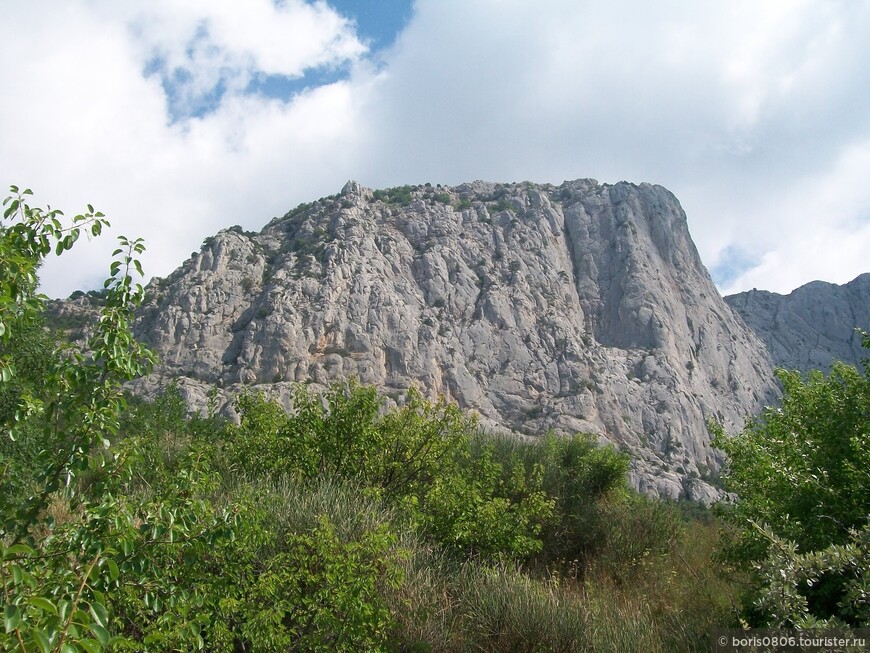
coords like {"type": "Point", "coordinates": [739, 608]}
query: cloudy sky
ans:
{"type": "Point", "coordinates": [177, 119]}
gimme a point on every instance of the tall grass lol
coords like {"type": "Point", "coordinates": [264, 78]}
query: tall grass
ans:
{"type": "Point", "coordinates": [672, 602]}
{"type": "Point", "coordinates": [297, 506]}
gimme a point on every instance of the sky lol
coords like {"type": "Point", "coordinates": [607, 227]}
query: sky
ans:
{"type": "Point", "coordinates": [180, 119]}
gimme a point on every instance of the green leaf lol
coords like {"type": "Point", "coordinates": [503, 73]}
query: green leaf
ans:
{"type": "Point", "coordinates": [91, 645]}
{"type": "Point", "coordinates": [43, 604]}
{"type": "Point", "coordinates": [41, 640]}
{"type": "Point", "coordinates": [18, 549]}
{"type": "Point", "coordinates": [100, 633]}
{"type": "Point", "coordinates": [114, 572]}
{"type": "Point", "coordinates": [81, 618]}
{"type": "Point", "coordinates": [100, 614]}
{"type": "Point", "coordinates": [13, 206]}
{"type": "Point", "coordinates": [63, 607]}
{"type": "Point", "coordinates": [11, 617]}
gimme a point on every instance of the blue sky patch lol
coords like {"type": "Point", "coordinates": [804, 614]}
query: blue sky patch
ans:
{"type": "Point", "coordinates": [175, 82]}
{"type": "Point", "coordinates": [378, 21]}
{"type": "Point", "coordinates": [281, 87]}
{"type": "Point", "coordinates": [733, 262]}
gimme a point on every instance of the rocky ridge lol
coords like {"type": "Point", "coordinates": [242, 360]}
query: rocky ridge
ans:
{"type": "Point", "coordinates": [811, 326]}
{"type": "Point", "coordinates": [578, 307]}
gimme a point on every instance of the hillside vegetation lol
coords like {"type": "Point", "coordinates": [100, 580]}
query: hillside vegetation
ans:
{"type": "Point", "coordinates": [357, 522]}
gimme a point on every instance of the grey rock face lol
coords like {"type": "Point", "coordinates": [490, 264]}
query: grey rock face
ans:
{"type": "Point", "coordinates": [580, 307]}
{"type": "Point", "coordinates": [812, 326]}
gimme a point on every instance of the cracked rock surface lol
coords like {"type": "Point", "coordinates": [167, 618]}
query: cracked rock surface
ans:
{"type": "Point", "coordinates": [578, 307]}
{"type": "Point", "coordinates": [811, 326]}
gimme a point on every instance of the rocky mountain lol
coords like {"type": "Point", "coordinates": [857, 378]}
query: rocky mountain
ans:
{"type": "Point", "coordinates": [579, 307]}
{"type": "Point", "coordinates": [811, 326]}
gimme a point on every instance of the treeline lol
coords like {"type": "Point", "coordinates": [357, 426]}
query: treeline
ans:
{"type": "Point", "coordinates": [353, 523]}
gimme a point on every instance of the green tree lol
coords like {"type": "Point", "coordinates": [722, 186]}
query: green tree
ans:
{"type": "Point", "coordinates": [29, 348]}
{"type": "Point", "coordinates": [801, 472]}
{"type": "Point", "coordinates": [77, 537]}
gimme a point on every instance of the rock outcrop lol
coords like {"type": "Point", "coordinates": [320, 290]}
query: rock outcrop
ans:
{"type": "Point", "coordinates": [812, 326]}
{"type": "Point", "coordinates": [579, 307]}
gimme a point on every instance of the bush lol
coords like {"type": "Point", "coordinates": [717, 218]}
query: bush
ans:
{"type": "Point", "coordinates": [418, 457]}
{"type": "Point", "coordinates": [80, 540]}
{"type": "Point", "coordinates": [483, 507]}
{"type": "Point", "coordinates": [800, 472]}
{"type": "Point", "coordinates": [319, 594]}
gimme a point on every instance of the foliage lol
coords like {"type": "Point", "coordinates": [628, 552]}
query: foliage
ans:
{"type": "Point", "coordinates": [66, 549]}
{"type": "Point", "coordinates": [29, 347]}
{"type": "Point", "coordinates": [401, 195]}
{"type": "Point", "coordinates": [584, 479]}
{"type": "Point", "coordinates": [671, 604]}
{"type": "Point", "coordinates": [787, 574]}
{"type": "Point", "coordinates": [484, 507]}
{"type": "Point", "coordinates": [801, 474]}
{"type": "Point", "coordinates": [321, 595]}
{"type": "Point", "coordinates": [272, 585]}
{"type": "Point", "coordinates": [418, 456]}
{"type": "Point", "coordinates": [443, 198]}
{"type": "Point", "coordinates": [349, 523]}
{"type": "Point", "coordinates": [281, 561]}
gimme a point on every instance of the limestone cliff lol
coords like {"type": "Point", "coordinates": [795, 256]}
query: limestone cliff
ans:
{"type": "Point", "coordinates": [812, 326]}
{"type": "Point", "coordinates": [579, 307]}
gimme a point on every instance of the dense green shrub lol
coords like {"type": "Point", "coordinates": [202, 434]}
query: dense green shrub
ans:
{"type": "Point", "coordinates": [29, 348]}
{"type": "Point", "coordinates": [418, 456]}
{"type": "Point", "coordinates": [321, 595]}
{"type": "Point", "coordinates": [483, 507]}
{"type": "Point", "coordinates": [400, 195]}
{"type": "Point", "coordinates": [800, 472]}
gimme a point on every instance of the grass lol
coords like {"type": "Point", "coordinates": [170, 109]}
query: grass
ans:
{"type": "Point", "coordinates": [629, 596]}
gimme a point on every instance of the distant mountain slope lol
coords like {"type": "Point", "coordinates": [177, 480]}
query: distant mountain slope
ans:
{"type": "Point", "coordinates": [811, 326]}
{"type": "Point", "coordinates": [579, 307]}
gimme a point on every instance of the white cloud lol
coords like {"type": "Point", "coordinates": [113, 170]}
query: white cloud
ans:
{"type": "Point", "coordinates": [82, 123]}
{"type": "Point", "coordinates": [752, 113]}
{"type": "Point", "coordinates": [817, 229]}
{"type": "Point", "coordinates": [197, 46]}
{"type": "Point", "coordinates": [734, 106]}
